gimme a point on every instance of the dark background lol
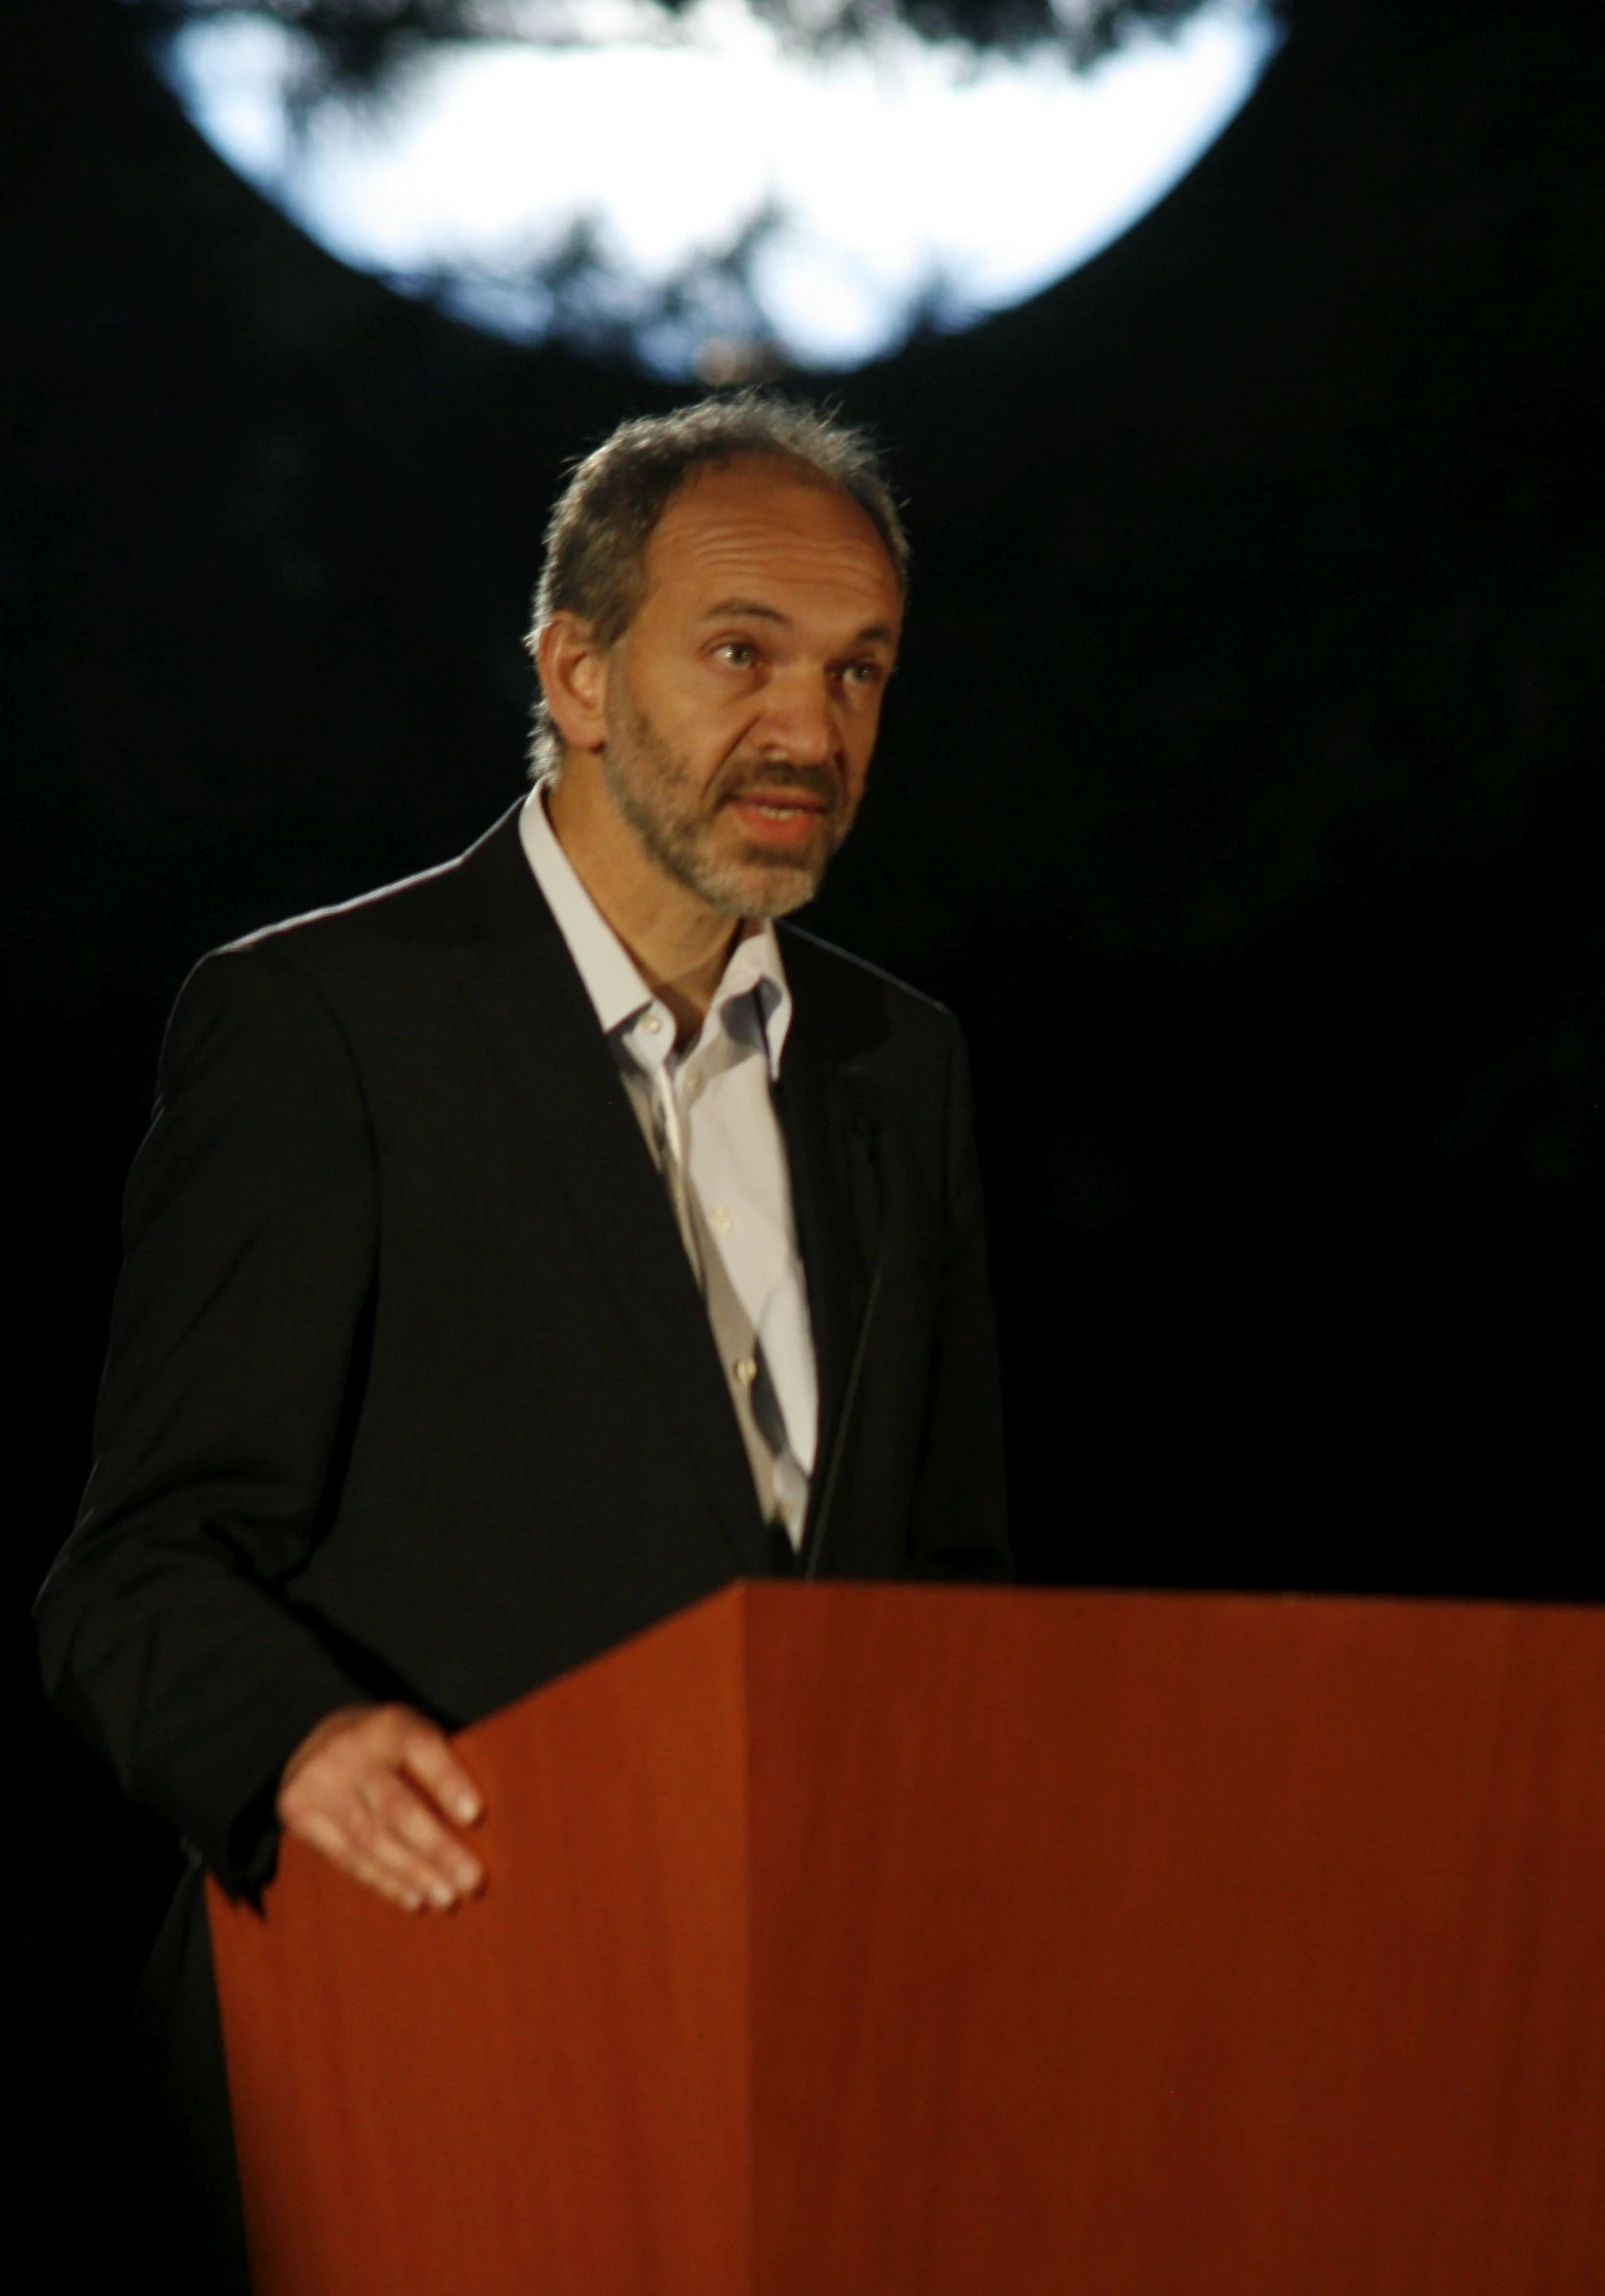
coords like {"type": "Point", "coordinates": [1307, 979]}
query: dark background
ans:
{"type": "Point", "coordinates": [1241, 791]}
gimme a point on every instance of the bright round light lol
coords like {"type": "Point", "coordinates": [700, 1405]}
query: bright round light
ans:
{"type": "Point", "coordinates": [713, 193]}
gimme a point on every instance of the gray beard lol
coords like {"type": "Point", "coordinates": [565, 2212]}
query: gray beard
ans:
{"type": "Point", "coordinates": [760, 886]}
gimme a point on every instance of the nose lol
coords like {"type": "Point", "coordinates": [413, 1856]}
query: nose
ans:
{"type": "Point", "coordinates": [799, 720]}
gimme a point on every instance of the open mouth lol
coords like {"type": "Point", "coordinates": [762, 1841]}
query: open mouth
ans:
{"type": "Point", "coordinates": [779, 816]}
{"type": "Point", "coordinates": [777, 808]}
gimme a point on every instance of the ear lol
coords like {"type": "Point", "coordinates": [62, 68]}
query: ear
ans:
{"type": "Point", "coordinates": [573, 671]}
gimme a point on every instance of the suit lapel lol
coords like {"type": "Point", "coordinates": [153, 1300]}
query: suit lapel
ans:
{"type": "Point", "coordinates": [531, 1007]}
{"type": "Point", "coordinates": [830, 1112]}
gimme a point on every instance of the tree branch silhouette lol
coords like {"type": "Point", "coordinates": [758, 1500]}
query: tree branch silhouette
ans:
{"type": "Point", "coordinates": [357, 44]}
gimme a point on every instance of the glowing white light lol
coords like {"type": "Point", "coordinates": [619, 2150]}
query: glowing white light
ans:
{"type": "Point", "coordinates": [876, 182]}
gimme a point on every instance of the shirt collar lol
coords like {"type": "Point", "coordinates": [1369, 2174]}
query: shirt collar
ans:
{"type": "Point", "coordinates": [755, 969]}
{"type": "Point", "coordinates": [616, 989]}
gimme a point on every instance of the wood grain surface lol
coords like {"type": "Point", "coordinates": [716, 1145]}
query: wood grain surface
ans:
{"type": "Point", "coordinates": [1169, 1946]}
{"type": "Point", "coordinates": [548, 2089]}
{"type": "Point", "coordinates": [859, 1941]}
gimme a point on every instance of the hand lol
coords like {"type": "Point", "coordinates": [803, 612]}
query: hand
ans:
{"type": "Point", "coordinates": [367, 1788]}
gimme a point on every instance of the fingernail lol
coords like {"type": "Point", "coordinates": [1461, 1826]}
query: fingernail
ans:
{"type": "Point", "coordinates": [441, 1893]}
{"type": "Point", "coordinates": [467, 1809]}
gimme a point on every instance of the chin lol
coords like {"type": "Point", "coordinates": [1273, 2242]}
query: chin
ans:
{"type": "Point", "coordinates": [761, 888]}
{"type": "Point", "coordinates": [794, 892]}
{"type": "Point", "coordinates": [751, 882]}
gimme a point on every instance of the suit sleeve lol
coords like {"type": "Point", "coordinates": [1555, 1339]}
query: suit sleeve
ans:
{"type": "Point", "coordinates": [249, 1238]}
{"type": "Point", "coordinates": [960, 1516]}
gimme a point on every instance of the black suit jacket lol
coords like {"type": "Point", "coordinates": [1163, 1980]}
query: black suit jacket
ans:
{"type": "Point", "coordinates": [410, 1389]}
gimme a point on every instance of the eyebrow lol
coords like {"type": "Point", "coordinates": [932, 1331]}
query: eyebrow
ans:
{"type": "Point", "coordinates": [753, 610]}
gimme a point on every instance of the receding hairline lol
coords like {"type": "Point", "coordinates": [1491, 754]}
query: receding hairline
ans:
{"type": "Point", "coordinates": [801, 473]}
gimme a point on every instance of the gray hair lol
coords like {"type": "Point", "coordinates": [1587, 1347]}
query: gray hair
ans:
{"type": "Point", "coordinates": [597, 535]}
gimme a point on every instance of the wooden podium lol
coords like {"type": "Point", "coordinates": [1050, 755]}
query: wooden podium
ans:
{"type": "Point", "coordinates": [894, 1941]}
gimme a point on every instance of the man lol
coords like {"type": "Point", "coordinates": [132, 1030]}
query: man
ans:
{"type": "Point", "coordinates": [526, 1250]}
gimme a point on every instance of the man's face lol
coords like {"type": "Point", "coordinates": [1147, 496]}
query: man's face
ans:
{"type": "Point", "coordinates": [744, 699]}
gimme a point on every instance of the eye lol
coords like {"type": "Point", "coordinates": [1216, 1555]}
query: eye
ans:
{"type": "Point", "coordinates": [865, 675]}
{"type": "Point", "coordinates": [740, 653]}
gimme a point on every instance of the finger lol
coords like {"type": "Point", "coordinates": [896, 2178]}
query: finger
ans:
{"type": "Point", "coordinates": [410, 1820]}
{"type": "Point", "coordinates": [382, 1829]}
{"type": "Point", "coordinates": [344, 1795]}
{"type": "Point", "coordinates": [392, 1887]}
{"type": "Point", "coordinates": [374, 1848]}
{"type": "Point", "coordinates": [320, 1832]}
{"type": "Point", "coordinates": [428, 1757]}
{"type": "Point", "coordinates": [385, 1850]}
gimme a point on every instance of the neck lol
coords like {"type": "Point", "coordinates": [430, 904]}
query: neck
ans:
{"type": "Point", "coordinates": [678, 945]}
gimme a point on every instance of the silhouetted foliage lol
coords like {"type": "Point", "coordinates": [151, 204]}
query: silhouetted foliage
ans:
{"type": "Point", "coordinates": [711, 318]}
{"type": "Point", "coordinates": [359, 42]}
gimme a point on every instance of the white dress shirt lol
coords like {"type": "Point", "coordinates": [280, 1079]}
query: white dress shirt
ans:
{"type": "Point", "coordinates": [709, 1112]}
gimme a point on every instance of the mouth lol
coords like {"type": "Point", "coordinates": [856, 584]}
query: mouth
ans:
{"type": "Point", "coordinates": [778, 816]}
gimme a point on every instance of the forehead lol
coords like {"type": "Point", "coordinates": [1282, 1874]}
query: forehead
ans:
{"type": "Point", "coordinates": [758, 530]}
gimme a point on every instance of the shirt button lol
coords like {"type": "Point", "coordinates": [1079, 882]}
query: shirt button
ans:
{"type": "Point", "coordinates": [719, 1218]}
{"type": "Point", "coordinates": [693, 1085]}
{"type": "Point", "coordinates": [653, 1024]}
{"type": "Point", "coordinates": [745, 1369]}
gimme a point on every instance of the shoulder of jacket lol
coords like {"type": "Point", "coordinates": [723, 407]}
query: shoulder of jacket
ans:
{"type": "Point", "coordinates": [401, 911]}
{"type": "Point", "coordinates": [372, 935]}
